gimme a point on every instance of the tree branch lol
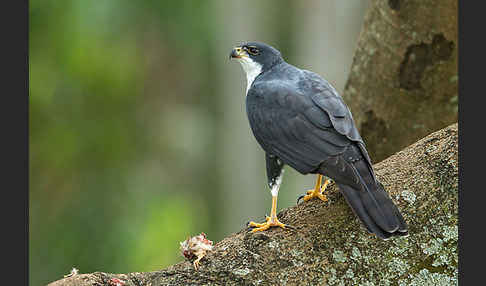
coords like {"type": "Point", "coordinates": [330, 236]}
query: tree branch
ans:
{"type": "Point", "coordinates": [329, 246]}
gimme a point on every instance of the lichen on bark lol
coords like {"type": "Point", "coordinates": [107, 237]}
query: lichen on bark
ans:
{"type": "Point", "coordinates": [329, 246]}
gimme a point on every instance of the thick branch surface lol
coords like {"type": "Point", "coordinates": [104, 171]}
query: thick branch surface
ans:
{"type": "Point", "coordinates": [329, 246]}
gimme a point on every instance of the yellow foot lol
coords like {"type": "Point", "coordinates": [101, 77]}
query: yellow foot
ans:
{"type": "Point", "coordinates": [196, 263]}
{"type": "Point", "coordinates": [266, 225]}
{"type": "Point", "coordinates": [199, 255]}
{"type": "Point", "coordinates": [317, 192]}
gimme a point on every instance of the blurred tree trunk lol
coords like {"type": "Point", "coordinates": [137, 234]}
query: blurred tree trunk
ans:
{"type": "Point", "coordinates": [331, 33]}
{"type": "Point", "coordinates": [240, 169]}
{"type": "Point", "coordinates": [242, 161]}
{"type": "Point", "coordinates": [329, 246]}
{"type": "Point", "coordinates": [403, 80]}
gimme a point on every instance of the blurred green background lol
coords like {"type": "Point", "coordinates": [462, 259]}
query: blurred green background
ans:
{"type": "Point", "coordinates": [138, 130]}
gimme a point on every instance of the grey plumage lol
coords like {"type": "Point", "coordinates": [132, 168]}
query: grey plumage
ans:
{"type": "Point", "coordinates": [299, 118]}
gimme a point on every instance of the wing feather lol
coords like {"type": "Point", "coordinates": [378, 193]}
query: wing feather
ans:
{"type": "Point", "coordinates": [288, 124]}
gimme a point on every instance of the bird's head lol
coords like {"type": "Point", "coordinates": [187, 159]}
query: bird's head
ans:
{"type": "Point", "coordinates": [256, 57]}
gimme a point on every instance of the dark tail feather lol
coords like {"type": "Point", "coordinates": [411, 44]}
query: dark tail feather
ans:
{"type": "Point", "coordinates": [372, 204]}
{"type": "Point", "coordinates": [355, 202]}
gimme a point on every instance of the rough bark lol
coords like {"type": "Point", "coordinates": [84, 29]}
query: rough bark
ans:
{"type": "Point", "coordinates": [403, 80]}
{"type": "Point", "coordinates": [329, 246]}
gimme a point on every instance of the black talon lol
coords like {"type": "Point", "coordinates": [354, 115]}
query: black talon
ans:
{"type": "Point", "coordinates": [290, 227]}
{"type": "Point", "coordinates": [299, 198]}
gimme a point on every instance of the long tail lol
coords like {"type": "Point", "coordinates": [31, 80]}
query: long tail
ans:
{"type": "Point", "coordinates": [368, 199]}
{"type": "Point", "coordinates": [376, 211]}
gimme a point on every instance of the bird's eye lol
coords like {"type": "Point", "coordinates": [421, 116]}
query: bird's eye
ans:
{"type": "Point", "coordinates": [253, 51]}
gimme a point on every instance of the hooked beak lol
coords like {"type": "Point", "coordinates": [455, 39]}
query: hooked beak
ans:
{"type": "Point", "coordinates": [237, 53]}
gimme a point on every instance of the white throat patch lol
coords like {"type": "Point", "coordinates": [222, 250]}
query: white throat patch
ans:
{"type": "Point", "coordinates": [252, 70]}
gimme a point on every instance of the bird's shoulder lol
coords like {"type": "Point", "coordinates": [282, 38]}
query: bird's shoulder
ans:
{"type": "Point", "coordinates": [288, 78]}
{"type": "Point", "coordinates": [279, 85]}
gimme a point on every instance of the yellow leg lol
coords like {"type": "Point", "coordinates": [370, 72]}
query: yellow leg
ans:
{"type": "Point", "coordinates": [270, 221]}
{"type": "Point", "coordinates": [200, 255]}
{"type": "Point", "coordinates": [318, 190]}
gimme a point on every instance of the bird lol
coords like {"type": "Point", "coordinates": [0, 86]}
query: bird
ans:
{"type": "Point", "coordinates": [300, 120]}
{"type": "Point", "coordinates": [196, 247]}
